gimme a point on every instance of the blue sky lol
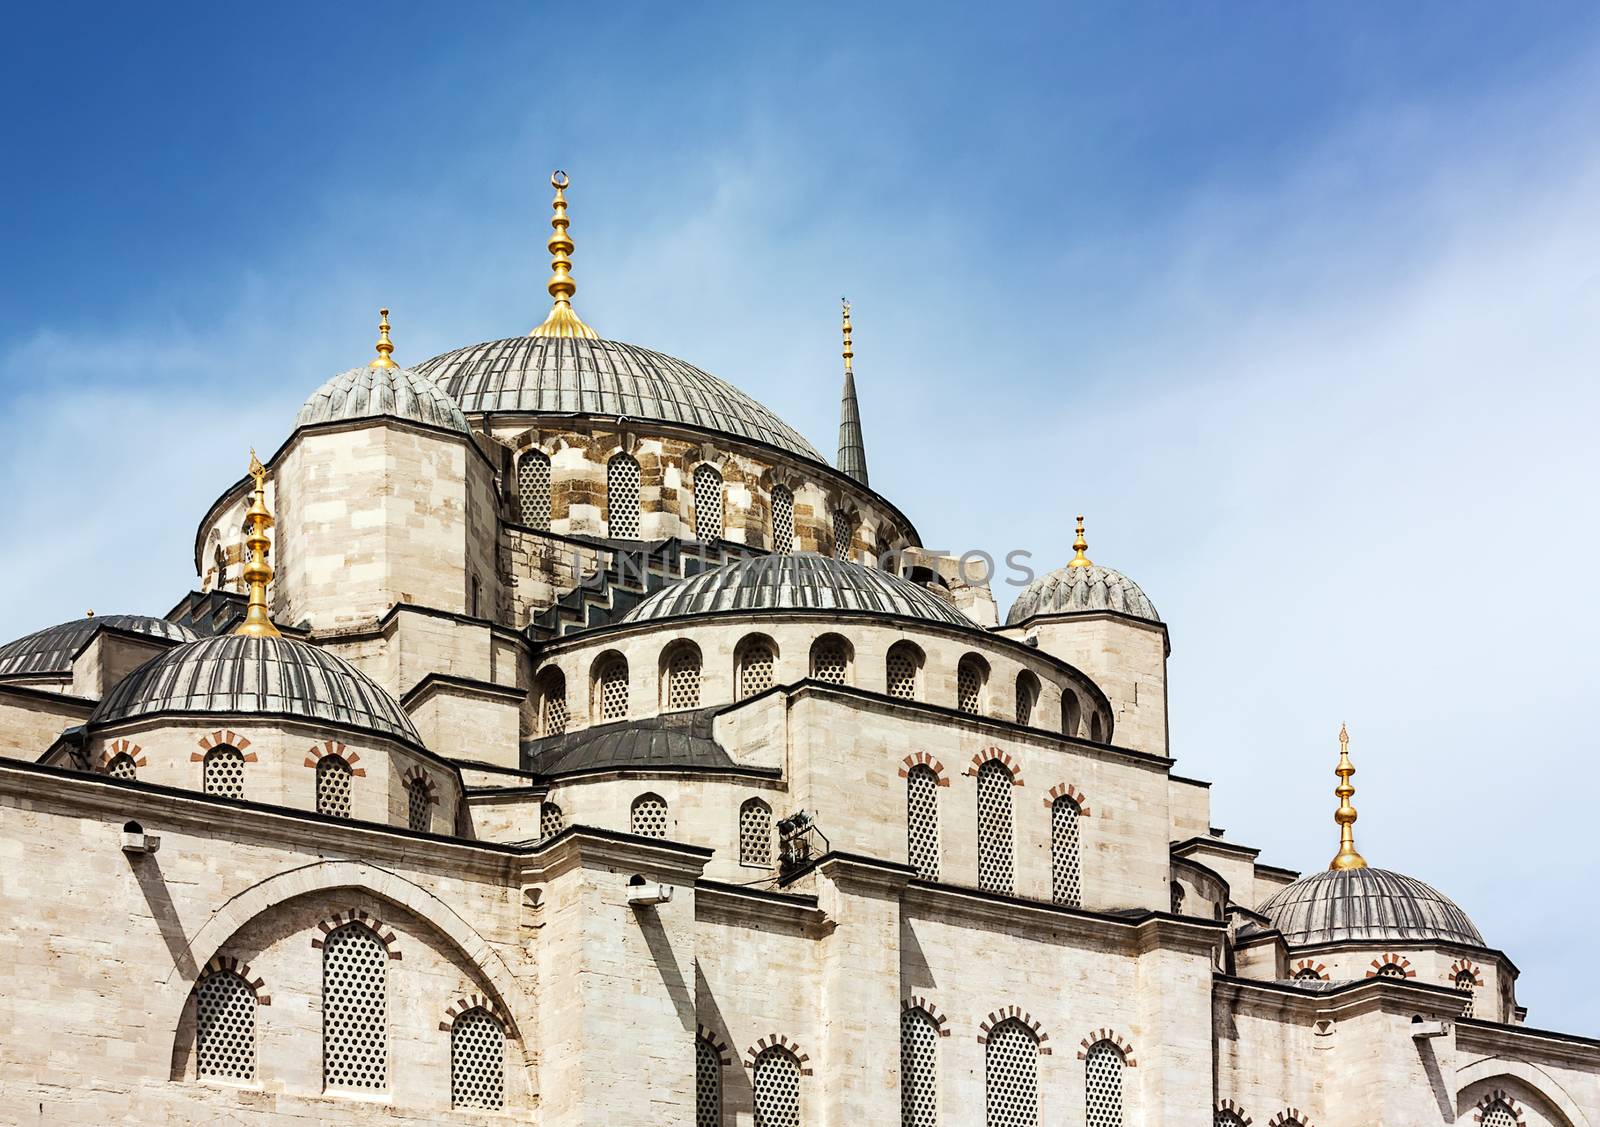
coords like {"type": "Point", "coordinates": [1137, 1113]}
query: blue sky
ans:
{"type": "Point", "coordinates": [1298, 304]}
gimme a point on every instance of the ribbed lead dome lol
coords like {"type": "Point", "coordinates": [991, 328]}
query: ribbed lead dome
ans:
{"type": "Point", "coordinates": [1069, 590]}
{"type": "Point", "coordinates": [369, 393]}
{"type": "Point", "coordinates": [575, 376]}
{"type": "Point", "coordinates": [52, 649]}
{"type": "Point", "coordinates": [797, 582]}
{"type": "Point", "coordinates": [1337, 906]}
{"type": "Point", "coordinates": [250, 676]}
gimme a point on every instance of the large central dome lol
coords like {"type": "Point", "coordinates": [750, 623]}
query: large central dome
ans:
{"type": "Point", "coordinates": [578, 376]}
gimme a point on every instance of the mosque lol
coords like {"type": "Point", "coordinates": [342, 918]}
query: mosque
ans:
{"type": "Point", "coordinates": [554, 736]}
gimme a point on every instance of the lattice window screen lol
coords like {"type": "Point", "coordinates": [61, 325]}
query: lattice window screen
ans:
{"type": "Point", "coordinates": [828, 661]}
{"type": "Point", "coordinates": [554, 706]}
{"type": "Point", "coordinates": [417, 804]}
{"type": "Point", "coordinates": [1499, 1115]}
{"type": "Point", "coordinates": [707, 1084]}
{"type": "Point", "coordinates": [1026, 691]}
{"type": "Point", "coordinates": [994, 827]}
{"type": "Point", "coordinates": [354, 1009]}
{"type": "Point", "coordinates": [223, 772]}
{"type": "Point", "coordinates": [477, 1061]}
{"type": "Point", "coordinates": [551, 820]}
{"type": "Point", "coordinates": [922, 821]}
{"type": "Point", "coordinates": [1066, 879]}
{"type": "Point", "coordinates": [1391, 970]}
{"type": "Point", "coordinates": [683, 679]}
{"type": "Point", "coordinates": [225, 1018]}
{"type": "Point", "coordinates": [844, 527]}
{"type": "Point", "coordinates": [649, 816]}
{"type": "Point", "coordinates": [777, 1089]}
{"type": "Point", "coordinates": [1465, 982]}
{"type": "Point", "coordinates": [1226, 1119]}
{"type": "Point", "coordinates": [755, 833]}
{"type": "Point", "coordinates": [622, 498]}
{"type": "Point", "coordinates": [969, 686]}
{"type": "Point", "coordinates": [1306, 974]}
{"type": "Point", "coordinates": [1102, 1069]}
{"type": "Point", "coordinates": [533, 489]}
{"type": "Point", "coordinates": [614, 690]}
{"type": "Point", "coordinates": [901, 672]}
{"type": "Point", "coordinates": [122, 767]}
{"type": "Point", "coordinates": [1010, 1076]}
{"type": "Point", "coordinates": [919, 1078]}
{"type": "Point", "coordinates": [333, 786]}
{"type": "Point", "coordinates": [756, 671]}
{"type": "Point", "coordinates": [708, 501]}
{"type": "Point", "coordinates": [782, 520]}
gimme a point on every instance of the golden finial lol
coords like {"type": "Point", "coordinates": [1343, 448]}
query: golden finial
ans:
{"type": "Point", "coordinates": [1079, 547]}
{"type": "Point", "coordinates": [849, 351]}
{"type": "Point", "coordinates": [562, 322]}
{"type": "Point", "coordinates": [257, 572]}
{"type": "Point", "coordinates": [1348, 858]}
{"type": "Point", "coordinates": [385, 346]}
{"type": "Point", "coordinates": [90, 614]}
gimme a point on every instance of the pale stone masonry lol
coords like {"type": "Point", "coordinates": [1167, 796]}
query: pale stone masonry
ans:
{"type": "Point", "coordinates": [621, 762]}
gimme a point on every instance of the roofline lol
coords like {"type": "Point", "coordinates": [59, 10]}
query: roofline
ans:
{"type": "Point", "coordinates": [1123, 616]}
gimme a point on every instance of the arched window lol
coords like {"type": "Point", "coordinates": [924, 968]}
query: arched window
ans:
{"type": "Point", "coordinates": [844, 529]}
{"type": "Point", "coordinates": [533, 489]}
{"type": "Point", "coordinates": [354, 1009]}
{"type": "Point", "coordinates": [900, 670]}
{"type": "Point", "coordinates": [1102, 1095]}
{"type": "Point", "coordinates": [919, 1064]}
{"type": "Point", "coordinates": [755, 833]}
{"type": "Point", "coordinates": [552, 702]}
{"type": "Point", "coordinates": [1011, 1076]}
{"type": "Point", "coordinates": [707, 1084]}
{"type": "Point", "coordinates": [225, 1027]}
{"type": "Point", "coordinates": [1465, 982]}
{"type": "Point", "coordinates": [970, 676]}
{"type": "Point", "coordinates": [994, 827]}
{"type": "Point", "coordinates": [830, 659]}
{"type": "Point", "coordinates": [1498, 1114]}
{"type": "Point", "coordinates": [1097, 731]}
{"type": "Point", "coordinates": [782, 520]}
{"type": "Point", "coordinates": [418, 814]}
{"type": "Point", "coordinates": [776, 1080]}
{"type": "Point", "coordinates": [1071, 714]}
{"type": "Point", "coordinates": [1027, 696]}
{"type": "Point", "coordinates": [122, 766]}
{"type": "Point", "coordinates": [1307, 974]}
{"type": "Point", "coordinates": [1391, 970]}
{"type": "Point", "coordinates": [1066, 880]}
{"type": "Point", "coordinates": [551, 820]}
{"type": "Point", "coordinates": [707, 503]}
{"type": "Point", "coordinates": [622, 498]}
{"type": "Point", "coordinates": [477, 597]}
{"type": "Point", "coordinates": [222, 772]}
{"type": "Point", "coordinates": [477, 1060]}
{"type": "Point", "coordinates": [757, 662]}
{"type": "Point", "coordinates": [1226, 1118]}
{"type": "Point", "coordinates": [648, 818]}
{"type": "Point", "coordinates": [680, 677]}
{"type": "Point", "coordinates": [333, 787]}
{"type": "Point", "coordinates": [922, 821]}
{"type": "Point", "coordinates": [611, 688]}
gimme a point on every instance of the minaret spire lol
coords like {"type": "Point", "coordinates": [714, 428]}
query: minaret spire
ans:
{"type": "Point", "coordinates": [385, 346]}
{"type": "Point", "coordinates": [1079, 547]}
{"type": "Point", "coordinates": [563, 321]}
{"type": "Point", "coordinates": [257, 572]}
{"type": "Point", "coordinates": [852, 450]}
{"type": "Point", "coordinates": [1345, 816]}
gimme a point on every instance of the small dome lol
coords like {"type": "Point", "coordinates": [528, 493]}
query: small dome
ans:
{"type": "Point", "coordinates": [1346, 905]}
{"type": "Point", "coordinates": [369, 393]}
{"type": "Point", "coordinates": [236, 674]}
{"type": "Point", "coordinates": [1070, 590]}
{"type": "Point", "coordinates": [51, 650]}
{"type": "Point", "coordinates": [796, 582]}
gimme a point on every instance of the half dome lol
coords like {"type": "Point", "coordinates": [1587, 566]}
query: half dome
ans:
{"type": "Point", "coordinates": [1073, 590]}
{"type": "Point", "coordinates": [370, 393]}
{"type": "Point", "coordinates": [1360, 905]}
{"type": "Point", "coordinates": [52, 649]}
{"type": "Point", "coordinates": [236, 674]}
{"type": "Point", "coordinates": [577, 376]}
{"type": "Point", "coordinates": [796, 582]}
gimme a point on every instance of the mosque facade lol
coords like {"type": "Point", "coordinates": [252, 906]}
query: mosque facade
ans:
{"type": "Point", "coordinates": [553, 735]}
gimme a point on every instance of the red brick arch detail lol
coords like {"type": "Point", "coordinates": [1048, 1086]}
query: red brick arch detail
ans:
{"type": "Point", "coordinates": [1234, 1109]}
{"type": "Point", "coordinates": [1390, 959]}
{"type": "Point", "coordinates": [320, 751]}
{"type": "Point", "coordinates": [418, 774]}
{"type": "Point", "coordinates": [222, 736]}
{"type": "Point", "coordinates": [710, 1037]}
{"type": "Point", "coordinates": [382, 930]}
{"type": "Point", "coordinates": [918, 1002]}
{"type": "Point", "coordinates": [1004, 757]}
{"type": "Point", "coordinates": [1006, 1013]}
{"type": "Point", "coordinates": [1319, 970]}
{"type": "Point", "coordinates": [121, 747]}
{"type": "Point", "coordinates": [226, 964]}
{"type": "Point", "coordinates": [776, 1040]}
{"type": "Point", "coordinates": [1112, 1036]}
{"type": "Point", "coordinates": [1289, 1117]}
{"type": "Point", "coordinates": [1067, 790]}
{"type": "Point", "coordinates": [1466, 966]}
{"type": "Point", "coordinates": [472, 1002]}
{"type": "Point", "coordinates": [1499, 1096]}
{"type": "Point", "coordinates": [923, 759]}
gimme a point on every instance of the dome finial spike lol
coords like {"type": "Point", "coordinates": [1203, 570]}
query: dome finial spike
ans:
{"type": "Point", "coordinates": [1079, 547]}
{"type": "Point", "coordinates": [257, 572]}
{"type": "Point", "coordinates": [563, 321]}
{"type": "Point", "coordinates": [1345, 816]}
{"type": "Point", "coordinates": [849, 350]}
{"type": "Point", "coordinates": [385, 347]}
